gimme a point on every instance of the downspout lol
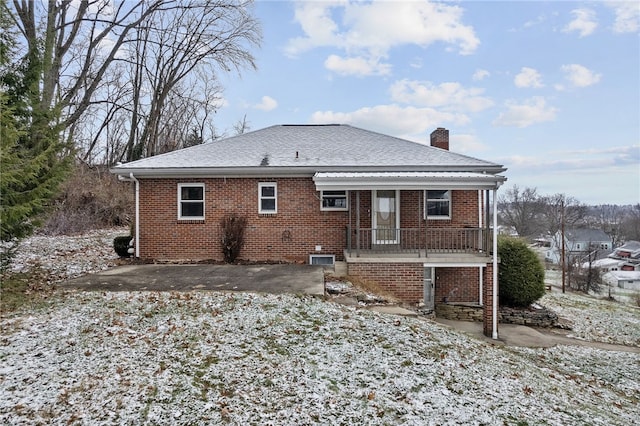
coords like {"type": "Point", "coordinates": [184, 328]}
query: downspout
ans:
{"type": "Point", "coordinates": [137, 239]}
{"type": "Point", "coordinates": [132, 178]}
{"type": "Point", "coordinates": [494, 334]}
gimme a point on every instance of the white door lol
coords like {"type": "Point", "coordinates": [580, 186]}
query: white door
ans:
{"type": "Point", "coordinates": [429, 287]}
{"type": "Point", "coordinates": [385, 216]}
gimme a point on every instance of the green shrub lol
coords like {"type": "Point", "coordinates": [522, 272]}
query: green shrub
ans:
{"type": "Point", "coordinates": [520, 273]}
{"type": "Point", "coordinates": [121, 245]}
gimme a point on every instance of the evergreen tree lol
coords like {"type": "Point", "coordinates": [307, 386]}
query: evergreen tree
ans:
{"type": "Point", "coordinates": [33, 158]}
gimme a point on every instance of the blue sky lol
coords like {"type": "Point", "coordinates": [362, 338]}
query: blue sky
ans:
{"type": "Point", "coordinates": [549, 89]}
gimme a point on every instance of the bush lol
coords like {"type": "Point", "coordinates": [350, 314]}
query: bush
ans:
{"type": "Point", "coordinates": [121, 245]}
{"type": "Point", "coordinates": [232, 236]}
{"type": "Point", "coordinates": [520, 273]}
{"type": "Point", "coordinates": [90, 198]}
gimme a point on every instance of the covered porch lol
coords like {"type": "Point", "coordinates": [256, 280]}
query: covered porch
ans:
{"type": "Point", "coordinates": [402, 227]}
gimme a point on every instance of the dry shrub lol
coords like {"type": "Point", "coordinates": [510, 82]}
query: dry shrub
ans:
{"type": "Point", "coordinates": [372, 287]}
{"type": "Point", "coordinates": [232, 236]}
{"type": "Point", "coordinates": [91, 198]}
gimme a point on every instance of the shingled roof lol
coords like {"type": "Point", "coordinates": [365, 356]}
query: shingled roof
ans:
{"type": "Point", "coordinates": [306, 149]}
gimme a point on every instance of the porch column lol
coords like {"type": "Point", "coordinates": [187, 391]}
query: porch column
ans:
{"type": "Point", "coordinates": [358, 223]}
{"type": "Point", "coordinates": [350, 228]}
{"type": "Point", "coordinates": [490, 310]}
{"type": "Point", "coordinates": [420, 223]}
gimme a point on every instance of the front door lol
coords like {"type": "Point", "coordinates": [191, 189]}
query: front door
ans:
{"type": "Point", "coordinates": [385, 212]}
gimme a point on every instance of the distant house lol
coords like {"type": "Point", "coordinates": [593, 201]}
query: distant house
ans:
{"type": "Point", "coordinates": [579, 243]}
{"type": "Point", "coordinates": [410, 217]}
{"type": "Point", "coordinates": [628, 280]}
{"type": "Point", "coordinates": [629, 252]}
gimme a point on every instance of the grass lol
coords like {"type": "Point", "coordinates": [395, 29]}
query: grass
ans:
{"type": "Point", "coordinates": [23, 290]}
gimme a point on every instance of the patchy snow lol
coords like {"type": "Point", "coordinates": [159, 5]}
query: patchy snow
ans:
{"type": "Point", "coordinates": [188, 358]}
{"type": "Point", "coordinates": [66, 256]}
{"type": "Point", "coordinates": [243, 358]}
{"type": "Point", "coordinates": [595, 319]}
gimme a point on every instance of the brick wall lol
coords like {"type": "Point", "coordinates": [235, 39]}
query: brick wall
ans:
{"type": "Point", "coordinates": [488, 301]}
{"type": "Point", "coordinates": [403, 280]}
{"type": "Point", "coordinates": [457, 285]}
{"type": "Point", "coordinates": [288, 236]}
{"type": "Point", "coordinates": [291, 235]}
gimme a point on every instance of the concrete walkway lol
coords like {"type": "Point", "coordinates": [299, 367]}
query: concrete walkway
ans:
{"type": "Point", "coordinates": [300, 279]}
{"type": "Point", "coordinates": [523, 336]}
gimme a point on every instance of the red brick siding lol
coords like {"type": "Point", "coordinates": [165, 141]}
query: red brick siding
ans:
{"type": "Point", "coordinates": [488, 301]}
{"type": "Point", "coordinates": [457, 285]}
{"type": "Point", "coordinates": [289, 236]}
{"type": "Point", "coordinates": [403, 280]}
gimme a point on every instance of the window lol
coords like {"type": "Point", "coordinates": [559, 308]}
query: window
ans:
{"type": "Point", "coordinates": [333, 200]}
{"type": "Point", "coordinates": [191, 201]}
{"type": "Point", "coordinates": [438, 204]}
{"type": "Point", "coordinates": [322, 259]}
{"type": "Point", "coordinates": [267, 198]}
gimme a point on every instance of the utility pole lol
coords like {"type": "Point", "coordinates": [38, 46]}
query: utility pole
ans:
{"type": "Point", "coordinates": [564, 257]}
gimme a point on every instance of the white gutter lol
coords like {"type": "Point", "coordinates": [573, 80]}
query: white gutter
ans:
{"type": "Point", "coordinates": [132, 178]}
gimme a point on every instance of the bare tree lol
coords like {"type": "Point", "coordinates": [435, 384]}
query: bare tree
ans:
{"type": "Point", "coordinates": [583, 274]}
{"type": "Point", "coordinates": [204, 36]}
{"type": "Point", "coordinates": [560, 209]}
{"type": "Point", "coordinates": [522, 209]}
{"type": "Point", "coordinates": [72, 48]}
{"type": "Point", "coordinates": [631, 224]}
{"type": "Point", "coordinates": [242, 126]}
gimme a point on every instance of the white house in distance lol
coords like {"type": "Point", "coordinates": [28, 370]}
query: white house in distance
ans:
{"type": "Point", "coordinates": [579, 241]}
{"type": "Point", "coordinates": [622, 267]}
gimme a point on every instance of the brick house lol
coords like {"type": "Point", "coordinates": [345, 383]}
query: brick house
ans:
{"type": "Point", "coordinates": [410, 217]}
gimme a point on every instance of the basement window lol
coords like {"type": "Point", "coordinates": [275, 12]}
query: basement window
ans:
{"type": "Point", "coordinates": [322, 259]}
{"type": "Point", "coordinates": [267, 198]}
{"type": "Point", "coordinates": [191, 201]}
{"type": "Point", "coordinates": [333, 200]}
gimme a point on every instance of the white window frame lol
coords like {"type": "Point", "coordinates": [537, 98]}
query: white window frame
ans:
{"type": "Point", "coordinates": [261, 197]}
{"type": "Point", "coordinates": [180, 201]}
{"type": "Point", "coordinates": [346, 203]}
{"type": "Point", "coordinates": [426, 202]}
{"type": "Point", "coordinates": [322, 256]}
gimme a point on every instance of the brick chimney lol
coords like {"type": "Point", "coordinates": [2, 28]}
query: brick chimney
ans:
{"type": "Point", "coordinates": [440, 138]}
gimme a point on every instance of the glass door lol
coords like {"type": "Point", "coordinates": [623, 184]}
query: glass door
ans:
{"type": "Point", "coordinates": [429, 288]}
{"type": "Point", "coordinates": [385, 217]}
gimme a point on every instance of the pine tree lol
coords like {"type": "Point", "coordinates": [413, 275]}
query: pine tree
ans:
{"type": "Point", "coordinates": [33, 158]}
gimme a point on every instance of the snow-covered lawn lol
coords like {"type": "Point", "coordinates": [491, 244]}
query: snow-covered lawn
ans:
{"type": "Point", "coordinates": [249, 359]}
{"type": "Point", "coordinates": [595, 319]}
{"type": "Point", "coordinates": [197, 358]}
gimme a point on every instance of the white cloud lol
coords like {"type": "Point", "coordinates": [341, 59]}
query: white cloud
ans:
{"type": "Point", "coordinates": [267, 104]}
{"type": "Point", "coordinates": [466, 144]}
{"type": "Point", "coordinates": [584, 22]}
{"type": "Point", "coordinates": [580, 76]}
{"type": "Point", "coordinates": [358, 66]}
{"type": "Point", "coordinates": [528, 77]}
{"type": "Point", "coordinates": [448, 96]}
{"type": "Point", "coordinates": [627, 16]}
{"type": "Point", "coordinates": [480, 75]}
{"type": "Point", "coordinates": [365, 29]}
{"type": "Point", "coordinates": [532, 111]}
{"type": "Point", "coordinates": [405, 122]}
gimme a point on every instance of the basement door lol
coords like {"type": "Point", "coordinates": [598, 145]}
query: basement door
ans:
{"type": "Point", "coordinates": [385, 216]}
{"type": "Point", "coordinates": [429, 287]}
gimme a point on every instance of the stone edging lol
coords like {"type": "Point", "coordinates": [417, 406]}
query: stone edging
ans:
{"type": "Point", "coordinates": [533, 317]}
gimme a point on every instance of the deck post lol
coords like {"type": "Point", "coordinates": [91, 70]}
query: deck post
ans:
{"type": "Point", "coordinates": [358, 223]}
